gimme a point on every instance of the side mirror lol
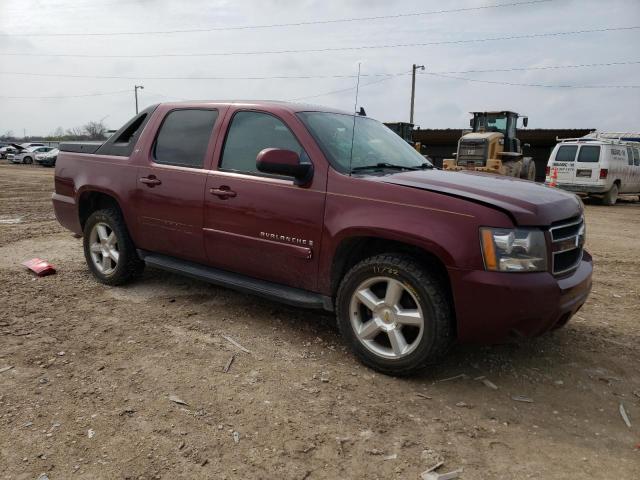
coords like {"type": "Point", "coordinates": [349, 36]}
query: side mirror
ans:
{"type": "Point", "coordinates": [278, 161]}
{"type": "Point", "coordinates": [525, 121]}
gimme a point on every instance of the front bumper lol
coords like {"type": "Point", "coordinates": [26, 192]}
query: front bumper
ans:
{"type": "Point", "coordinates": [491, 307]}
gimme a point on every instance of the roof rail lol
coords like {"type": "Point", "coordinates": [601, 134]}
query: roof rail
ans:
{"type": "Point", "coordinates": [605, 137]}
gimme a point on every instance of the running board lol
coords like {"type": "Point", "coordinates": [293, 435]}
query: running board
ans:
{"type": "Point", "coordinates": [273, 291]}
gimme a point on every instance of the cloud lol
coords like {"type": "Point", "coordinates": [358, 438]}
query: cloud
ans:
{"type": "Point", "coordinates": [440, 102]}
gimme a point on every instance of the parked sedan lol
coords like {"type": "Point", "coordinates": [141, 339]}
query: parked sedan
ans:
{"type": "Point", "coordinates": [27, 155]}
{"type": "Point", "coordinates": [47, 159]}
{"type": "Point", "coordinates": [6, 150]}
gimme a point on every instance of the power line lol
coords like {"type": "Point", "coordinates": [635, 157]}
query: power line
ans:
{"type": "Point", "coordinates": [333, 92]}
{"type": "Point", "coordinates": [144, 77]}
{"type": "Point", "coordinates": [69, 96]}
{"type": "Point", "coordinates": [308, 77]}
{"type": "Point", "coordinates": [541, 85]}
{"type": "Point", "coordinates": [545, 67]}
{"type": "Point", "coordinates": [280, 25]}
{"type": "Point", "coordinates": [328, 49]}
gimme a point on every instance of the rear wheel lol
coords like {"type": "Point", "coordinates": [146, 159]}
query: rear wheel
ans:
{"type": "Point", "coordinates": [108, 248]}
{"type": "Point", "coordinates": [611, 196]}
{"type": "Point", "coordinates": [394, 314]}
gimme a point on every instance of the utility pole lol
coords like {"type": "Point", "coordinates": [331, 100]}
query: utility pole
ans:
{"type": "Point", "coordinates": [135, 92]}
{"type": "Point", "coordinates": [413, 88]}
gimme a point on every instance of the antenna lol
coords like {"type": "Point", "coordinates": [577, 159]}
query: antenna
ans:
{"type": "Point", "coordinates": [353, 130]}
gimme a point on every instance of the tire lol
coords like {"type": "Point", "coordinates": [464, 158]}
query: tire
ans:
{"type": "Point", "coordinates": [118, 268]}
{"type": "Point", "coordinates": [528, 171]}
{"type": "Point", "coordinates": [611, 196]}
{"type": "Point", "coordinates": [422, 295]}
{"type": "Point", "coordinates": [27, 160]}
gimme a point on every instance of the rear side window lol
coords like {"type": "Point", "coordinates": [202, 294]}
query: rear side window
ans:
{"type": "Point", "coordinates": [566, 153]}
{"type": "Point", "coordinates": [629, 155]}
{"type": "Point", "coordinates": [251, 132]}
{"type": "Point", "coordinates": [589, 153]}
{"type": "Point", "coordinates": [184, 137]}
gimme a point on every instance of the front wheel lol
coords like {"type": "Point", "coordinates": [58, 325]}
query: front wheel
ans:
{"type": "Point", "coordinates": [611, 196]}
{"type": "Point", "coordinates": [27, 160]}
{"type": "Point", "coordinates": [108, 248]}
{"type": "Point", "coordinates": [394, 314]}
{"type": "Point", "coordinates": [528, 169]}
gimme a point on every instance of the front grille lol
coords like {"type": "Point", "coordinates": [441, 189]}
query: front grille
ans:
{"type": "Point", "coordinates": [567, 243]}
{"type": "Point", "coordinates": [472, 152]}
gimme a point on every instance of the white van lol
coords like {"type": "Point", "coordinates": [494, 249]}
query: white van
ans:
{"type": "Point", "coordinates": [596, 166]}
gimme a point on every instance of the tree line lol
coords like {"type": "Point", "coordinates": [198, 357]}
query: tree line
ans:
{"type": "Point", "coordinates": [90, 131]}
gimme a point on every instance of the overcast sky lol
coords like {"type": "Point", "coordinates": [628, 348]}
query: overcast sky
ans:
{"type": "Point", "coordinates": [440, 102]}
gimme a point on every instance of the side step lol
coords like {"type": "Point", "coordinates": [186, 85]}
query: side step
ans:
{"type": "Point", "coordinates": [235, 281]}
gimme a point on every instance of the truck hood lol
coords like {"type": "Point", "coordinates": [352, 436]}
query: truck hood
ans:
{"type": "Point", "coordinates": [527, 203]}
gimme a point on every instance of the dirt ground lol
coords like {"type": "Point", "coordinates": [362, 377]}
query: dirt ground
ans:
{"type": "Point", "coordinates": [95, 369]}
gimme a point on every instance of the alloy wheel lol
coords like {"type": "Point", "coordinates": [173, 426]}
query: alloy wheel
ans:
{"type": "Point", "coordinates": [386, 317]}
{"type": "Point", "coordinates": [103, 245]}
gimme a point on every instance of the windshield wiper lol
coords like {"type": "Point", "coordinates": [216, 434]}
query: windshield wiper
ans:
{"type": "Point", "coordinates": [424, 166]}
{"type": "Point", "coordinates": [380, 166]}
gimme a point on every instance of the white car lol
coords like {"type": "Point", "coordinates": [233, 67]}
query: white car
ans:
{"type": "Point", "coordinates": [595, 166]}
{"type": "Point", "coordinates": [27, 155]}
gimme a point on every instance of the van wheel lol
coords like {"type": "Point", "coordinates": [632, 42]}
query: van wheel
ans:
{"type": "Point", "coordinates": [611, 196]}
{"type": "Point", "coordinates": [394, 314]}
{"type": "Point", "coordinates": [108, 248]}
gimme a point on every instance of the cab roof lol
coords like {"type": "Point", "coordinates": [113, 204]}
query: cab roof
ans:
{"type": "Point", "coordinates": [268, 105]}
{"type": "Point", "coordinates": [497, 112]}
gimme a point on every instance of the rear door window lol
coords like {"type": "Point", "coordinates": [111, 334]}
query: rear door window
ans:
{"type": "Point", "coordinates": [590, 153]}
{"type": "Point", "coordinates": [184, 137]}
{"type": "Point", "coordinates": [566, 153]}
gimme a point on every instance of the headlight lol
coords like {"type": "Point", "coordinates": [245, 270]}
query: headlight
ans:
{"type": "Point", "coordinates": [514, 250]}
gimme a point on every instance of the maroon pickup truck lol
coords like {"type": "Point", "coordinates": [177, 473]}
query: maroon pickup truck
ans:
{"type": "Point", "coordinates": [322, 209]}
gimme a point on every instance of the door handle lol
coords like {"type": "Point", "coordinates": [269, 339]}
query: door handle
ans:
{"type": "Point", "coordinates": [150, 181]}
{"type": "Point", "coordinates": [223, 192]}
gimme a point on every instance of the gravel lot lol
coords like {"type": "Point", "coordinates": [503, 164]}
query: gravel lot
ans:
{"type": "Point", "coordinates": [95, 369]}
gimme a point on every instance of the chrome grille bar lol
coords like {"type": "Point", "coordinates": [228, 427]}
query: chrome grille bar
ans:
{"type": "Point", "coordinates": [567, 243]}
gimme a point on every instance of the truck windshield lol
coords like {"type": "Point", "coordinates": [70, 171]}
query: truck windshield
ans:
{"type": "Point", "coordinates": [491, 123]}
{"type": "Point", "coordinates": [374, 145]}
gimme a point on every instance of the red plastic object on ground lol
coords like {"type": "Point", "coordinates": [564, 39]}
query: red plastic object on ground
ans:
{"type": "Point", "coordinates": [40, 267]}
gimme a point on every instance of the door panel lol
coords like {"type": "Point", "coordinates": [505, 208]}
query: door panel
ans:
{"type": "Point", "coordinates": [267, 228]}
{"type": "Point", "coordinates": [170, 184]}
{"type": "Point", "coordinates": [169, 215]}
{"type": "Point", "coordinates": [587, 164]}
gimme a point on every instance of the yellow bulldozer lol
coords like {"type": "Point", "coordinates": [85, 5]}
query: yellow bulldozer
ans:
{"type": "Point", "coordinates": [492, 146]}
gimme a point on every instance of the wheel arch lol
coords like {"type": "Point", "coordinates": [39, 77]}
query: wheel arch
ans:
{"type": "Point", "coordinates": [352, 250]}
{"type": "Point", "coordinates": [91, 200]}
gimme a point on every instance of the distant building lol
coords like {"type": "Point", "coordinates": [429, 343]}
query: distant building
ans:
{"type": "Point", "coordinates": [441, 143]}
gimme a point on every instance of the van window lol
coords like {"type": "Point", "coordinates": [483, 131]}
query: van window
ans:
{"type": "Point", "coordinates": [566, 153]}
{"type": "Point", "coordinates": [589, 153]}
{"type": "Point", "coordinates": [630, 155]}
{"type": "Point", "coordinates": [184, 137]}
{"type": "Point", "coordinates": [636, 157]}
